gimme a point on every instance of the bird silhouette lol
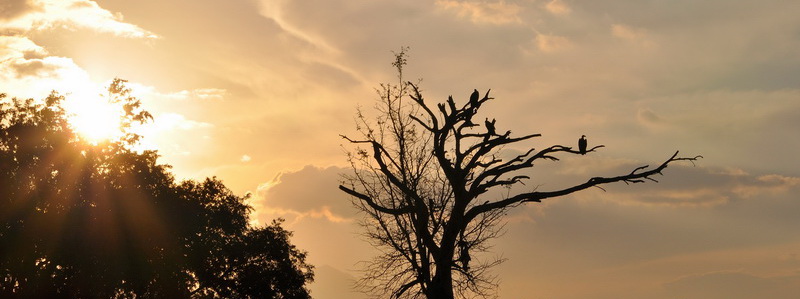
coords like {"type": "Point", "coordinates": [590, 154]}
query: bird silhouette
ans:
{"type": "Point", "coordinates": [463, 255]}
{"type": "Point", "coordinates": [490, 127]}
{"type": "Point", "coordinates": [582, 144]}
{"type": "Point", "coordinates": [473, 99]}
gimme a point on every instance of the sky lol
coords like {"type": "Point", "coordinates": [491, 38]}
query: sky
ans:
{"type": "Point", "coordinates": [257, 92]}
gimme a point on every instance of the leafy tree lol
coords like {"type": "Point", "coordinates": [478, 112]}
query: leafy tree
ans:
{"type": "Point", "coordinates": [422, 178]}
{"type": "Point", "coordinates": [81, 220]}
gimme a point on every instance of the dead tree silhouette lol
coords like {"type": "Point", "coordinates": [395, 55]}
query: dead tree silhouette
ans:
{"type": "Point", "coordinates": [421, 178]}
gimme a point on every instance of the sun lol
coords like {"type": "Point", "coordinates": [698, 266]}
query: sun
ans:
{"type": "Point", "coordinates": [95, 118]}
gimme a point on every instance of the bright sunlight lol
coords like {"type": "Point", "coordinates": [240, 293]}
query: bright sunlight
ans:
{"type": "Point", "coordinates": [94, 117]}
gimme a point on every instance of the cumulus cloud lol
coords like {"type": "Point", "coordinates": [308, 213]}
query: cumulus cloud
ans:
{"type": "Point", "coordinates": [17, 47]}
{"type": "Point", "coordinates": [23, 58]}
{"type": "Point", "coordinates": [28, 71]}
{"type": "Point", "coordinates": [309, 192]}
{"type": "Point", "coordinates": [32, 67]}
{"type": "Point", "coordinates": [11, 9]}
{"type": "Point", "coordinates": [71, 13]}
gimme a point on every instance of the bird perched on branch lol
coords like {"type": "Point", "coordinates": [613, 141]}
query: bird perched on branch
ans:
{"type": "Point", "coordinates": [582, 144]}
{"type": "Point", "coordinates": [473, 99]}
{"type": "Point", "coordinates": [490, 127]}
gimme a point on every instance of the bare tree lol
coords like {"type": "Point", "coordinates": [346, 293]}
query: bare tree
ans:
{"type": "Point", "coordinates": [419, 173]}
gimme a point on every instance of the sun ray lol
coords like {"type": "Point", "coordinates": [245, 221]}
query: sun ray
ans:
{"type": "Point", "coordinates": [95, 118]}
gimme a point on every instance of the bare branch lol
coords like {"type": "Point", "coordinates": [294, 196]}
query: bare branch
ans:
{"type": "Point", "coordinates": [633, 177]}
{"type": "Point", "coordinates": [421, 185]}
{"type": "Point", "coordinates": [405, 288]}
{"type": "Point", "coordinates": [419, 121]}
{"type": "Point", "coordinates": [372, 204]}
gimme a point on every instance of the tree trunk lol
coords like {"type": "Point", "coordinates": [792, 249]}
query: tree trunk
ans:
{"type": "Point", "coordinates": [441, 286]}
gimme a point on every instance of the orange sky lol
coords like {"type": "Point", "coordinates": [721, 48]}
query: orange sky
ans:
{"type": "Point", "coordinates": [256, 92]}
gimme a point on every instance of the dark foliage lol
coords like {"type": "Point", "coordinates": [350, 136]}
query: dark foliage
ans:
{"type": "Point", "coordinates": [80, 220]}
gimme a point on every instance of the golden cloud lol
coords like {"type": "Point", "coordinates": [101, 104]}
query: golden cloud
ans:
{"type": "Point", "coordinates": [557, 7]}
{"type": "Point", "coordinates": [552, 43]}
{"type": "Point", "coordinates": [74, 14]}
{"type": "Point", "coordinates": [482, 12]}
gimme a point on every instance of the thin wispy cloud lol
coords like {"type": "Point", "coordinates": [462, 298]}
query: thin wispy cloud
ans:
{"type": "Point", "coordinates": [558, 7]}
{"type": "Point", "coordinates": [483, 12]}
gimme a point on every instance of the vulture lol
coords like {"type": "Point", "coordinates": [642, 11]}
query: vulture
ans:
{"type": "Point", "coordinates": [490, 127]}
{"type": "Point", "coordinates": [473, 99]}
{"type": "Point", "coordinates": [582, 144]}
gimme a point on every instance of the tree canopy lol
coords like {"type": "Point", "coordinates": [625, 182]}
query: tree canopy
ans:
{"type": "Point", "coordinates": [82, 220]}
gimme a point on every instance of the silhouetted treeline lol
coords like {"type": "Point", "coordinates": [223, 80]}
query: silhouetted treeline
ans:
{"type": "Point", "coordinates": [98, 221]}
